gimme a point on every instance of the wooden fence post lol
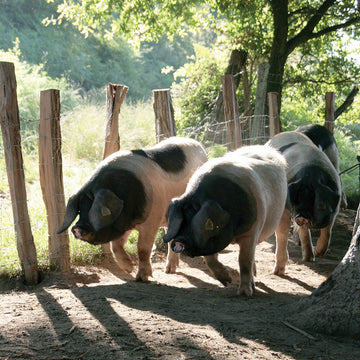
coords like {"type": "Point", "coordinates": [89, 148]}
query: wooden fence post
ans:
{"type": "Point", "coordinates": [231, 110]}
{"type": "Point", "coordinates": [115, 95]}
{"type": "Point", "coordinates": [10, 127]}
{"type": "Point", "coordinates": [330, 111]}
{"type": "Point", "coordinates": [274, 123]}
{"type": "Point", "coordinates": [258, 121]}
{"type": "Point", "coordinates": [164, 114]}
{"type": "Point", "coordinates": [51, 178]}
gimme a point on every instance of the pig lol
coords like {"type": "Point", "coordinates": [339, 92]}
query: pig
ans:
{"type": "Point", "coordinates": [132, 190]}
{"type": "Point", "coordinates": [237, 198]}
{"type": "Point", "coordinates": [325, 141]}
{"type": "Point", "coordinates": [314, 191]}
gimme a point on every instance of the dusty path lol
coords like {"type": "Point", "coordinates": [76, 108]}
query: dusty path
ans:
{"type": "Point", "coordinates": [100, 313]}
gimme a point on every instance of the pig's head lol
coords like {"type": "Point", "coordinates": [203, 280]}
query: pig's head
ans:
{"type": "Point", "coordinates": [99, 214]}
{"type": "Point", "coordinates": [314, 198]}
{"type": "Point", "coordinates": [198, 228]}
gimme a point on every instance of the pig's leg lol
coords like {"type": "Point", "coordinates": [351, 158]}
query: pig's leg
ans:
{"type": "Point", "coordinates": [145, 243]}
{"type": "Point", "coordinates": [281, 252]}
{"type": "Point", "coordinates": [306, 244]}
{"type": "Point", "coordinates": [172, 261]}
{"type": "Point", "coordinates": [218, 269]}
{"type": "Point", "coordinates": [323, 242]}
{"type": "Point", "coordinates": [246, 264]}
{"type": "Point", "coordinates": [122, 258]}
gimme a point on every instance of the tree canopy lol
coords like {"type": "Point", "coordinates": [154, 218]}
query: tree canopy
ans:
{"type": "Point", "coordinates": [303, 41]}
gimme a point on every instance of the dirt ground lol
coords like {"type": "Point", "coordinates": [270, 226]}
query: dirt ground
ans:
{"type": "Point", "coordinates": [101, 313]}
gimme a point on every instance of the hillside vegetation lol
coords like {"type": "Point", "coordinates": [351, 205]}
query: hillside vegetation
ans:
{"type": "Point", "coordinates": [87, 63]}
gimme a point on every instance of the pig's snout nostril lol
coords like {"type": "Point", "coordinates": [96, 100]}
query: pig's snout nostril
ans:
{"type": "Point", "coordinates": [78, 232]}
{"type": "Point", "coordinates": [301, 220]}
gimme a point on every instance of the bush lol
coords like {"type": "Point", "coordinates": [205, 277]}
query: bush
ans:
{"type": "Point", "coordinates": [199, 85]}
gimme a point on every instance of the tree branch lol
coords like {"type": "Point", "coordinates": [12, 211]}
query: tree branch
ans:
{"type": "Point", "coordinates": [347, 102]}
{"type": "Point", "coordinates": [307, 32]}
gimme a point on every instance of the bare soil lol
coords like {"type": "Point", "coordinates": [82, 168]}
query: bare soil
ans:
{"type": "Point", "coordinates": [102, 313]}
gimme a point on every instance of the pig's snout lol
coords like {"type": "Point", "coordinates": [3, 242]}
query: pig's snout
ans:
{"type": "Point", "coordinates": [300, 220]}
{"type": "Point", "coordinates": [79, 233]}
{"type": "Point", "coordinates": [178, 246]}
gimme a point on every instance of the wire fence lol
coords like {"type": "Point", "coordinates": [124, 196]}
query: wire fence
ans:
{"type": "Point", "coordinates": [212, 136]}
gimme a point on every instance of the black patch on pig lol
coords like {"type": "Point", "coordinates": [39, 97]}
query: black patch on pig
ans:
{"type": "Point", "coordinates": [139, 152]}
{"type": "Point", "coordinates": [285, 147]}
{"type": "Point", "coordinates": [128, 188]}
{"type": "Point", "coordinates": [311, 183]}
{"type": "Point", "coordinates": [171, 158]}
{"type": "Point", "coordinates": [314, 174]}
{"type": "Point", "coordinates": [236, 201]}
{"type": "Point", "coordinates": [318, 134]}
{"type": "Point", "coordinates": [239, 203]}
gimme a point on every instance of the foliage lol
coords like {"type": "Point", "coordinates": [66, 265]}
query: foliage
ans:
{"type": "Point", "coordinates": [254, 26]}
{"type": "Point", "coordinates": [87, 63]}
{"type": "Point", "coordinates": [200, 80]}
{"type": "Point", "coordinates": [31, 79]}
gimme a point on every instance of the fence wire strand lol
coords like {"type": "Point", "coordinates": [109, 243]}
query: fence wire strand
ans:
{"type": "Point", "coordinates": [254, 130]}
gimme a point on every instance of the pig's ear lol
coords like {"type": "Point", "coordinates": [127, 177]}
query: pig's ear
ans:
{"type": "Point", "coordinates": [330, 196]}
{"type": "Point", "coordinates": [294, 191]}
{"type": "Point", "coordinates": [174, 217]}
{"type": "Point", "coordinates": [70, 213]}
{"type": "Point", "coordinates": [209, 220]}
{"type": "Point", "coordinates": [105, 209]}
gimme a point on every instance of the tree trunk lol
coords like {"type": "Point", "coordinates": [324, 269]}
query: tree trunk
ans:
{"type": "Point", "coordinates": [333, 308]}
{"type": "Point", "coordinates": [279, 48]}
{"type": "Point", "coordinates": [237, 64]}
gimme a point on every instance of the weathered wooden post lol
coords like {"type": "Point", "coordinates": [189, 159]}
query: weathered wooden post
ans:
{"type": "Point", "coordinates": [115, 96]}
{"type": "Point", "coordinates": [231, 110]}
{"type": "Point", "coordinates": [274, 118]}
{"type": "Point", "coordinates": [330, 111]}
{"type": "Point", "coordinates": [51, 178]}
{"type": "Point", "coordinates": [164, 114]}
{"type": "Point", "coordinates": [10, 127]}
{"type": "Point", "coordinates": [258, 121]}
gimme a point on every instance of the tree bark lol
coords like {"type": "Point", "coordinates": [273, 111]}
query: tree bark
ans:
{"type": "Point", "coordinates": [333, 308]}
{"type": "Point", "coordinates": [237, 64]}
{"type": "Point", "coordinates": [347, 102]}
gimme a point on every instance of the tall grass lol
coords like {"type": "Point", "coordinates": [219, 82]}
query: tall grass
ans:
{"type": "Point", "coordinates": [83, 131]}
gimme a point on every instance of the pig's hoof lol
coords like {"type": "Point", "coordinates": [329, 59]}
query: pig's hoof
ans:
{"type": "Point", "coordinates": [308, 258]}
{"type": "Point", "coordinates": [171, 268]}
{"type": "Point", "coordinates": [319, 253]}
{"type": "Point", "coordinates": [223, 276]}
{"type": "Point", "coordinates": [126, 265]}
{"type": "Point", "coordinates": [246, 290]}
{"type": "Point", "coordinates": [143, 275]}
{"type": "Point", "coordinates": [279, 270]}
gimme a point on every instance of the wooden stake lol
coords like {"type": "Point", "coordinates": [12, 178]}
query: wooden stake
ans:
{"type": "Point", "coordinates": [330, 111]}
{"type": "Point", "coordinates": [164, 114]}
{"type": "Point", "coordinates": [231, 110]}
{"type": "Point", "coordinates": [115, 96]}
{"type": "Point", "coordinates": [10, 127]}
{"type": "Point", "coordinates": [51, 177]}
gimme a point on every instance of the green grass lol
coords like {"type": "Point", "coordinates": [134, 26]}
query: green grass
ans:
{"type": "Point", "coordinates": [83, 131]}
